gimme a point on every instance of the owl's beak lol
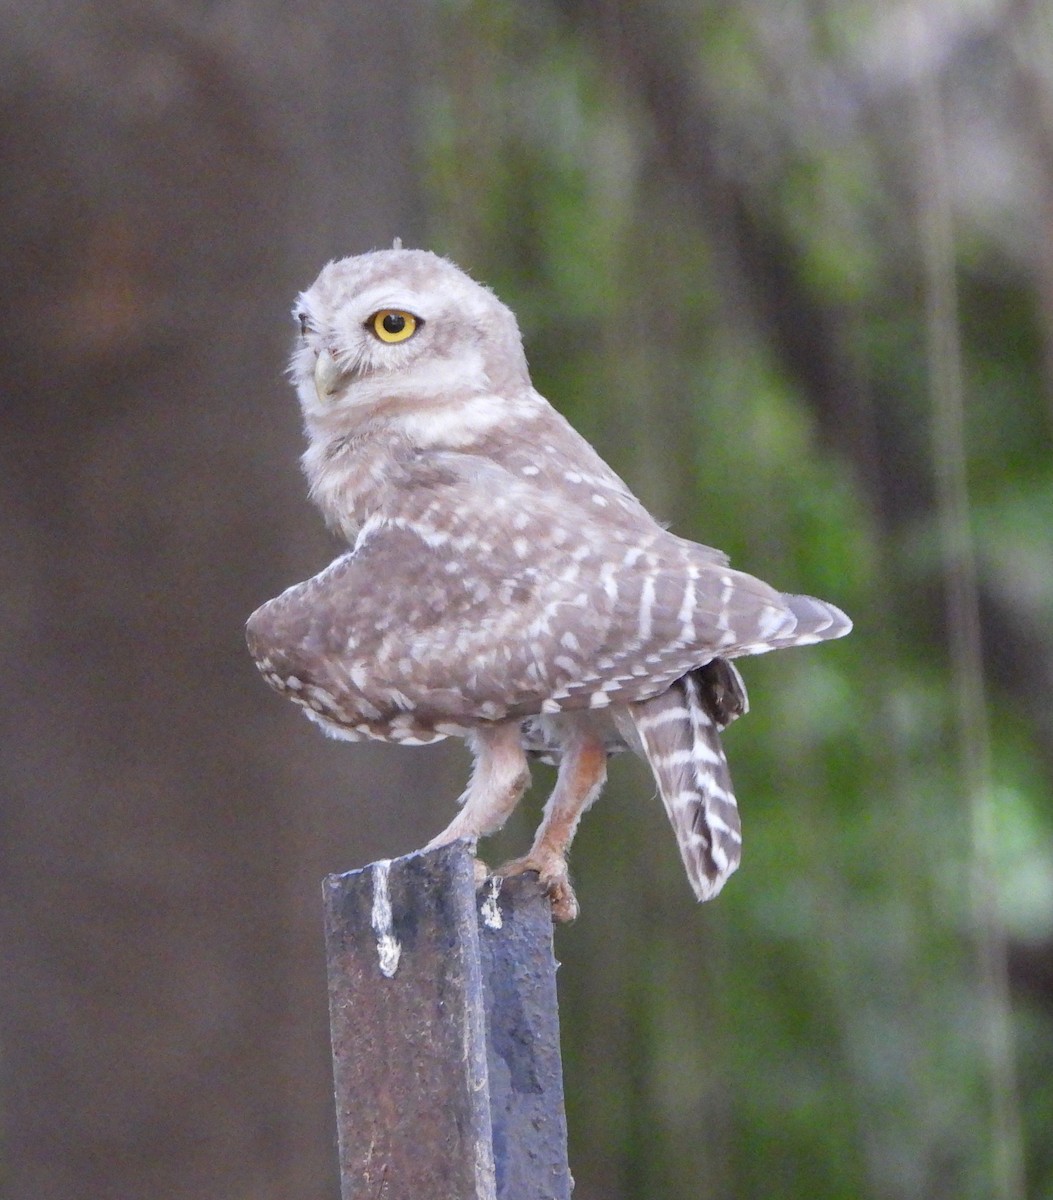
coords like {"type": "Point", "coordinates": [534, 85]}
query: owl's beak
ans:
{"type": "Point", "coordinates": [326, 375]}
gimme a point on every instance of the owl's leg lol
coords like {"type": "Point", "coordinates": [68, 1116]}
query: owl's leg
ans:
{"type": "Point", "coordinates": [582, 773]}
{"type": "Point", "coordinates": [499, 777]}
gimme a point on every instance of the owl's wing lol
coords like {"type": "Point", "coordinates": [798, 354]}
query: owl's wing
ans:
{"type": "Point", "coordinates": [476, 596]}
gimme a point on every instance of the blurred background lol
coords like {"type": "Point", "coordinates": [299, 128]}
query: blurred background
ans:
{"type": "Point", "coordinates": [790, 268]}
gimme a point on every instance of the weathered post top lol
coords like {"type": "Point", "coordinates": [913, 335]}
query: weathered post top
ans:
{"type": "Point", "coordinates": [445, 1033]}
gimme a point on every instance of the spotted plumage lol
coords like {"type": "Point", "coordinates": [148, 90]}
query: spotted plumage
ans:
{"type": "Point", "coordinates": [503, 584]}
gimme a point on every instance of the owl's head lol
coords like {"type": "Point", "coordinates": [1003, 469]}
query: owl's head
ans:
{"type": "Point", "coordinates": [391, 331]}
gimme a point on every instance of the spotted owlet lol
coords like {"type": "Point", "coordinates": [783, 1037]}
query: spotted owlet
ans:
{"type": "Point", "coordinates": [503, 584]}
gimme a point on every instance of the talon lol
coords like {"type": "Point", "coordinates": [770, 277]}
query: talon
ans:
{"type": "Point", "coordinates": [554, 878]}
{"type": "Point", "coordinates": [564, 902]}
{"type": "Point", "coordinates": [480, 873]}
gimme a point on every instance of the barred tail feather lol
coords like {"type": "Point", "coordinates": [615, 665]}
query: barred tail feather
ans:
{"type": "Point", "coordinates": [681, 741]}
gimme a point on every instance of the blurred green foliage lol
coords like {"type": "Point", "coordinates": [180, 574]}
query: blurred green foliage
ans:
{"type": "Point", "coordinates": [820, 1030]}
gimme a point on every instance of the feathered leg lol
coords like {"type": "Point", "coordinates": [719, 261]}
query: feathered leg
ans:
{"type": "Point", "coordinates": [582, 773]}
{"type": "Point", "coordinates": [499, 778]}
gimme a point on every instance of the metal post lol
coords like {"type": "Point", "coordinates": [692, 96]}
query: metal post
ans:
{"type": "Point", "coordinates": [445, 1033]}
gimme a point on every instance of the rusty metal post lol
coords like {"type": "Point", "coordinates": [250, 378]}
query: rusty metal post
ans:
{"type": "Point", "coordinates": [445, 1034]}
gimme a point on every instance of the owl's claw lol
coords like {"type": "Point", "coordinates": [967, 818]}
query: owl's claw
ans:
{"type": "Point", "coordinates": [480, 873]}
{"type": "Point", "coordinates": [552, 872]}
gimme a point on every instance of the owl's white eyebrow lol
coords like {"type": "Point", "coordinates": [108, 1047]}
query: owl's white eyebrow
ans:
{"type": "Point", "coordinates": [372, 301]}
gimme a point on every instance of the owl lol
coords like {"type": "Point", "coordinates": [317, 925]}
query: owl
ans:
{"type": "Point", "coordinates": [502, 583]}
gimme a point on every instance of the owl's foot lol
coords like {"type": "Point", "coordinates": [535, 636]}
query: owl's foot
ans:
{"type": "Point", "coordinates": [480, 872]}
{"type": "Point", "coordinates": [552, 872]}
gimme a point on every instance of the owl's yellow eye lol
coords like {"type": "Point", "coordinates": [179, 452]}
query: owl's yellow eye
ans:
{"type": "Point", "coordinates": [393, 325]}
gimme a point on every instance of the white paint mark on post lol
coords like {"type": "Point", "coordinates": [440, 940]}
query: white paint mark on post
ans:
{"type": "Point", "coordinates": [388, 949]}
{"type": "Point", "coordinates": [490, 911]}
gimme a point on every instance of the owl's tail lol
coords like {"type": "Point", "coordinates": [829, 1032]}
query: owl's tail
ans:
{"type": "Point", "coordinates": [680, 735]}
